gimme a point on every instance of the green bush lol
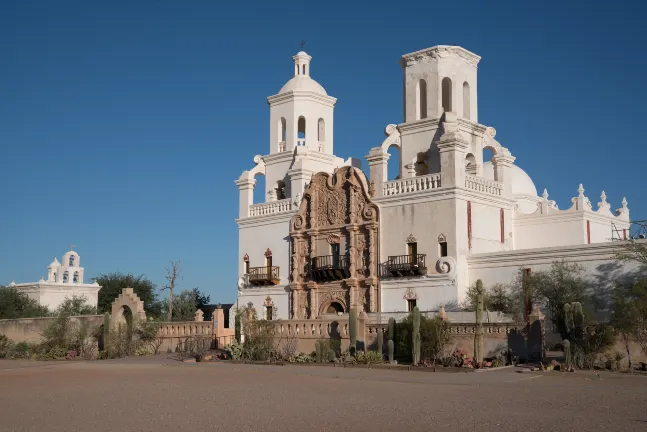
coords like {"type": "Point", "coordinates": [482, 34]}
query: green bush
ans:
{"type": "Point", "coordinates": [369, 357]}
{"type": "Point", "coordinates": [6, 347]}
{"type": "Point", "coordinates": [434, 338]}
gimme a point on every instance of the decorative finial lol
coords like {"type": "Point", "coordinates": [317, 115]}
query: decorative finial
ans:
{"type": "Point", "coordinates": [580, 190]}
{"type": "Point", "coordinates": [624, 202]}
{"type": "Point", "coordinates": [545, 194]}
{"type": "Point", "coordinates": [603, 198]}
{"type": "Point", "coordinates": [302, 44]}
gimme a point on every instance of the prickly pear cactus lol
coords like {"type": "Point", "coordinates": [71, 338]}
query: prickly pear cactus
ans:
{"type": "Point", "coordinates": [478, 334]}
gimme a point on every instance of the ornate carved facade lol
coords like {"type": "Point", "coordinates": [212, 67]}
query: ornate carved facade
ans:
{"type": "Point", "coordinates": [333, 241]}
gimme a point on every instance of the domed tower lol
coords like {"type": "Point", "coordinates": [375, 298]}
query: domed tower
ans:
{"type": "Point", "coordinates": [301, 114]}
{"type": "Point", "coordinates": [52, 270]}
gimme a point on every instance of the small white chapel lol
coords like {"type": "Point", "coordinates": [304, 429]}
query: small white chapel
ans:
{"type": "Point", "coordinates": [330, 236]}
{"type": "Point", "coordinates": [64, 280]}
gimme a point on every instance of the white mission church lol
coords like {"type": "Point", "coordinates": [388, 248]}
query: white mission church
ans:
{"type": "Point", "coordinates": [328, 238]}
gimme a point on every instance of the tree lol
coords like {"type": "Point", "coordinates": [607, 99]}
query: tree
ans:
{"type": "Point", "coordinates": [113, 283]}
{"type": "Point", "coordinates": [74, 306]}
{"type": "Point", "coordinates": [172, 275]}
{"type": "Point", "coordinates": [629, 314]}
{"type": "Point", "coordinates": [632, 250]}
{"type": "Point", "coordinates": [497, 298]}
{"type": "Point", "coordinates": [562, 283]}
{"type": "Point", "coordinates": [16, 304]}
{"type": "Point", "coordinates": [201, 299]}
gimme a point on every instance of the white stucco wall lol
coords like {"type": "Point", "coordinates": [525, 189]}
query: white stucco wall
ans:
{"type": "Point", "coordinates": [52, 294]}
{"type": "Point", "coordinates": [258, 296]}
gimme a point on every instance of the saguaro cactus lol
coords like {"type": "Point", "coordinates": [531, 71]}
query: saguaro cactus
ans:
{"type": "Point", "coordinates": [318, 351]}
{"type": "Point", "coordinates": [390, 348]}
{"type": "Point", "coordinates": [478, 334]}
{"type": "Point", "coordinates": [106, 332]}
{"type": "Point", "coordinates": [352, 330]}
{"type": "Point", "coordinates": [380, 341]}
{"type": "Point", "coordinates": [568, 357]}
{"type": "Point", "coordinates": [416, 335]}
{"type": "Point", "coordinates": [391, 328]}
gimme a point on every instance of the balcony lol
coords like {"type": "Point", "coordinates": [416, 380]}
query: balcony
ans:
{"type": "Point", "coordinates": [272, 207]}
{"type": "Point", "coordinates": [259, 276]}
{"type": "Point", "coordinates": [404, 265]}
{"type": "Point", "coordinates": [410, 185]}
{"type": "Point", "coordinates": [329, 268]}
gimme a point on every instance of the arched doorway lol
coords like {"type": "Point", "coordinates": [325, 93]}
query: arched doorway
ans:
{"type": "Point", "coordinates": [334, 308]}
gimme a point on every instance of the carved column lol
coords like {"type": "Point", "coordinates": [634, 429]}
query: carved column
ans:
{"type": "Point", "coordinates": [296, 259]}
{"type": "Point", "coordinates": [295, 303]}
{"type": "Point", "coordinates": [352, 232]}
{"type": "Point", "coordinates": [371, 250]}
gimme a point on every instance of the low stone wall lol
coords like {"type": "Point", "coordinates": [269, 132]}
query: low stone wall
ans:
{"type": "Point", "coordinates": [32, 329]}
{"type": "Point", "coordinates": [496, 336]}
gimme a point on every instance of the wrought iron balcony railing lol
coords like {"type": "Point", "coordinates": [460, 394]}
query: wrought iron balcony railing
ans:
{"type": "Point", "coordinates": [264, 276]}
{"type": "Point", "coordinates": [404, 265]}
{"type": "Point", "coordinates": [328, 268]}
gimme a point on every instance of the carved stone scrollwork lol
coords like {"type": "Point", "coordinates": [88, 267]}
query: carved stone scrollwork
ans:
{"type": "Point", "coordinates": [411, 239]}
{"type": "Point", "coordinates": [333, 239]}
{"type": "Point", "coordinates": [446, 265]}
{"type": "Point", "coordinates": [442, 238]}
{"type": "Point", "coordinates": [410, 294]}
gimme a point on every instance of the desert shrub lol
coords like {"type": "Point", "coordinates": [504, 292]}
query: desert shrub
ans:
{"type": "Point", "coordinates": [74, 306]}
{"type": "Point", "coordinates": [369, 357]}
{"type": "Point", "coordinates": [6, 347]}
{"type": "Point", "coordinates": [234, 351]}
{"type": "Point", "coordinates": [142, 351]}
{"type": "Point", "coordinates": [148, 333]}
{"type": "Point", "coordinates": [302, 358]}
{"type": "Point", "coordinates": [259, 340]}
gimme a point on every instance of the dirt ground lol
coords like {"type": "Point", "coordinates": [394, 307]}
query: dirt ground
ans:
{"type": "Point", "coordinates": [157, 394]}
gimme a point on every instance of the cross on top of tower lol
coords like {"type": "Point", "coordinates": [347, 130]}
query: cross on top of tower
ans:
{"type": "Point", "coordinates": [302, 44]}
{"type": "Point", "coordinates": [72, 246]}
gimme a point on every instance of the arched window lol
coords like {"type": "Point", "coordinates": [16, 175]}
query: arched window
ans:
{"type": "Point", "coordinates": [301, 131]}
{"type": "Point", "coordinates": [65, 277]}
{"type": "Point", "coordinates": [303, 72]}
{"type": "Point", "coordinates": [421, 98]}
{"type": "Point", "coordinates": [466, 100]}
{"type": "Point", "coordinates": [54, 277]}
{"type": "Point", "coordinates": [71, 260]}
{"type": "Point", "coordinates": [280, 190]}
{"type": "Point", "coordinates": [75, 278]}
{"type": "Point", "coordinates": [447, 94]}
{"type": "Point", "coordinates": [321, 130]}
{"type": "Point", "coordinates": [470, 164]}
{"type": "Point", "coordinates": [282, 133]}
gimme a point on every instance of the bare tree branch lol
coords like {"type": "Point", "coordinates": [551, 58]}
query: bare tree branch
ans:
{"type": "Point", "coordinates": [172, 275]}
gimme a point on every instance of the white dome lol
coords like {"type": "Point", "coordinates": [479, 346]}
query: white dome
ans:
{"type": "Point", "coordinates": [522, 184]}
{"type": "Point", "coordinates": [303, 83]}
{"type": "Point", "coordinates": [54, 264]}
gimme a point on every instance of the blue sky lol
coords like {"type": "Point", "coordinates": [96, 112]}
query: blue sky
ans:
{"type": "Point", "coordinates": [124, 124]}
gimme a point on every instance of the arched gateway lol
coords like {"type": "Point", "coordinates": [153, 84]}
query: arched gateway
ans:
{"type": "Point", "coordinates": [334, 246]}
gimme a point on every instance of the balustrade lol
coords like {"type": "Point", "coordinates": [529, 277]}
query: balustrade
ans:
{"type": "Point", "coordinates": [272, 207]}
{"type": "Point", "coordinates": [411, 185]}
{"type": "Point", "coordinates": [481, 184]}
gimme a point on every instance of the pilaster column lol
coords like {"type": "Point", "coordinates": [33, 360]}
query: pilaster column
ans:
{"type": "Point", "coordinates": [246, 191]}
{"type": "Point", "coordinates": [453, 150]}
{"type": "Point", "coordinates": [378, 168]}
{"type": "Point", "coordinates": [295, 303]}
{"type": "Point", "coordinates": [352, 232]}
{"type": "Point", "coordinates": [502, 169]}
{"type": "Point", "coordinates": [372, 250]}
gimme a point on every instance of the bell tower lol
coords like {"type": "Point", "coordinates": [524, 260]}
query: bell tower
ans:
{"type": "Point", "coordinates": [301, 114]}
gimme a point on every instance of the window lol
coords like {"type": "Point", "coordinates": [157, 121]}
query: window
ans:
{"type": "Point", "coordinates": [75, 278]}
{"type": "Point", "coordinates": [71, 260]}
{"type": "Point", "coordinates": [65, 277]}
{"type": "Point", "coordinates": [334, 248]}
{"type": "Point", "coordinates": [54, 277]}
{"type": "Point", "coordinates": [413, 252]}
{"type": "Point", "coordinates": [303, 70]}
{"type": "Point", "coordinates": [282, 134]}
{"type": "Point", "coordinates": [443, 248]}
{"type": "Point", "coordinates": [321, 132]}
{"type": "Point", "coordinates": [301, 131]}
{"type": "Point", "coordinates": [421, 99]}
{"type": "Point", "coordinates": [466, 100]}
{"type": "Point", "coordinates": [246, 267]}
{"type": "Point", "coordinates": [447, 94]}
{"type": "Point", "coordinates": [268, 313]}
{"type": "Point", "coordinates": [411, 303]}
